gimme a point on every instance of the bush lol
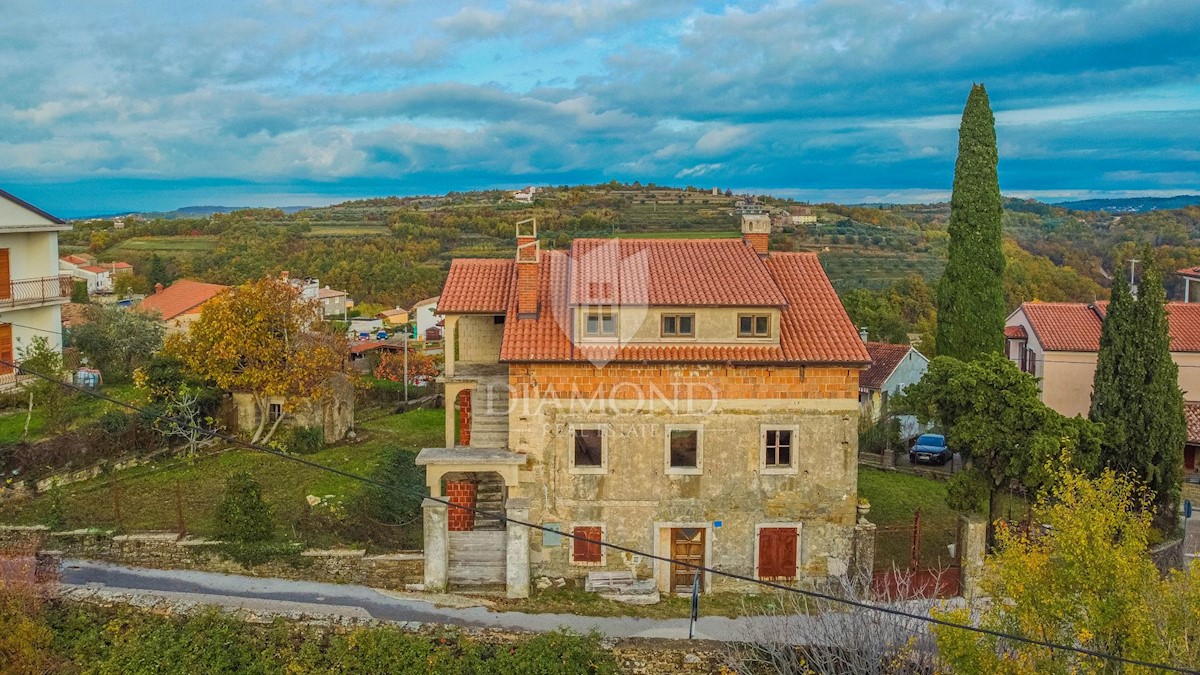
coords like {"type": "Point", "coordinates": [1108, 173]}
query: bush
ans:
{"type": "Point", "coordinates": [242, 516]}
{"type": "Point", "coordinates": [390, 518]}
{"type": "Point", "coordinates": [877, 437]}
{"type": "Point", "coordinates": [303, 440]}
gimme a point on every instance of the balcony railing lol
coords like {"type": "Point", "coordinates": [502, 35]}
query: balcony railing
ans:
{"type": "Point", "coordinates": [33, 291]}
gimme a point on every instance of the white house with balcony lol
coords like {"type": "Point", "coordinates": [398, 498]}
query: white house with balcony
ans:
{"type": "Point", "coordinates": [31, 289]}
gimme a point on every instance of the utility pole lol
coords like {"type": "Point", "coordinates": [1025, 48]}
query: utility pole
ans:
{"type": "Point", "coordinates": [1133, 289]}
{"type": "Point", "coordinates": [406, 370]}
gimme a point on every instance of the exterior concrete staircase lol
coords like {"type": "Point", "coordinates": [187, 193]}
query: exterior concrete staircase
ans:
{"type": "Point", "coordinates": [489, 416]}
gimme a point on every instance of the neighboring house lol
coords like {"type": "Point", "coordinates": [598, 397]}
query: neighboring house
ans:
{"type": "Point", "coordinates": [802, 215]}
{"type": "Point", "coordinates": [525, 196]}
{"type": "Point", "coordinates": [334, 304]}
{"type": "Point", "coordinates": [1059, 342]}
{"type": "Point", "coordinates": [32, 291]}
{"type": "Point", "coordinates": [393, 317]}
{"type": "Point", "coordinates": [99, 276]}
{"type": "Point", "coordinates": [180, 304]}
{"type": "Point", "coordinates": [424, 313]}
{"type": "Point", "coordinates": [696, 399]}
{"type": "Point", "coordinates": [893, 367]}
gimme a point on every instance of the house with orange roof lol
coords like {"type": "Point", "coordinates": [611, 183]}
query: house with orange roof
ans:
{"type": "Point", "coordinates": [180, 304]}
{"type": "Point", "coordinates": [99, 276]}
{"type": "Point", "coordinates": [1060, 341]}
{"type": "Point", "coordinates": [893, 368]}
{"type": "Point", "coordinates": [693, 398]}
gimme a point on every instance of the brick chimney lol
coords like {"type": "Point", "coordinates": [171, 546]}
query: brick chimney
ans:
{"type": "Point", "coordinates": [158, 288]}
{"type": "Point", "coordinates": [756, 232]}
{"type": "Point", "coordinates": [528, 256]}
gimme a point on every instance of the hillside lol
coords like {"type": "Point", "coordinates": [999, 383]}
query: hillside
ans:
{"type": "Point", "coordinates": [1133, 204]}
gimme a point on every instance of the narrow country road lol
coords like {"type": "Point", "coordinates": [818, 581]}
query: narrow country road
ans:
{"type": "Point", "coordinates": [361, 602]}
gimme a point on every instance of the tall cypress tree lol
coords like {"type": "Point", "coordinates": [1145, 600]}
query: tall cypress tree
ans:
{"type": "Point", "coordinates": [1136, 391]}
{"type": "Point", "coordinates": [970, 294]}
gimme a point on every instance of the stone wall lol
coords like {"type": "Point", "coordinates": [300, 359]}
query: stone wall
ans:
{"type": "Point", "coordinates": [166, 551]}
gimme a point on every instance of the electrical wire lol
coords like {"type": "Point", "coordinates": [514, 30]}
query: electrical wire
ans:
{"type": "Point", "coordinates": [504, 519]}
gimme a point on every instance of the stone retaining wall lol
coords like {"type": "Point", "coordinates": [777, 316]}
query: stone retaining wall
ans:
{"type": "Point", "coordinates": [167, 551]}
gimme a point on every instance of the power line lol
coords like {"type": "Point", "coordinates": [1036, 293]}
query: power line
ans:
{"type": "Point", "coordinates": [504, 519]}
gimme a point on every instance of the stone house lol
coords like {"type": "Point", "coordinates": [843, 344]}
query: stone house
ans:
{"type": "Point", "coordinates": [693, 399]}
{"type": "Point", "coordinates": [333, 413]}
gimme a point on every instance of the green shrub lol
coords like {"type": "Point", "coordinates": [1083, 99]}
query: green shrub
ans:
{"type": "Point", "coordinates": [242, 516]}
{"type": "Point", "coordinates": [303, 440]}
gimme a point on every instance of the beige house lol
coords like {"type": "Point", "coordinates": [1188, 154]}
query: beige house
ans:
{"type": "Point", "coordinates": [333, 413]}
{"type": "Point", "coordinates": [32, 291]}
{"type": "Point", "coordinates": [179, 305]}
{"type": "Point", "coordinates": [693, 399]}
{"type": "Point", "coordinates": [1059, 342]}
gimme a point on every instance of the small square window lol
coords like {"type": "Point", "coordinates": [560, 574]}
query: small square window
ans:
{"type": "Point", "coordinates": [274, 411]}
{"type": "Point", "coordinates": [589, 448]}
{"type": "Point", "coordinates": [600, 323]}
{"type": "Point", "coordinates": [678, 325]}
{"type": "Point", "coordinates": [777, 450]}
{"type": "Point", "coordinates": [754, 325]}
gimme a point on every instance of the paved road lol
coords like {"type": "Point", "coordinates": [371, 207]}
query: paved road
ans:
{"type": "Point", "coordinates": [361, 602]}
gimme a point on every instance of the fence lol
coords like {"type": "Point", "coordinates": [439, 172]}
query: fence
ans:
{"type": "Point", "coordinates": [23, 291]}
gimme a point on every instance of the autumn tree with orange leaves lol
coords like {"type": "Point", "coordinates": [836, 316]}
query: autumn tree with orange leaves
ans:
{"type": "Point", "coordinates": [421, 366]}
{"type": "Point", "coordinates": [264, 339]}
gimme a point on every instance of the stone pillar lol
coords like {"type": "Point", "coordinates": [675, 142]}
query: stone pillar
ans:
{"type": "Point", "coordinates": [972, 537]}
{"type": "Point", "coordinates": [437, 546]}
{"type": "Point", "coordinates": [517, 559]}
{"type": "Point", "coordinates": [863, 568]}
{"type": "Point", "coordinates": [462, 493]}
{"type": "Point", "coordinates": [449, 344]}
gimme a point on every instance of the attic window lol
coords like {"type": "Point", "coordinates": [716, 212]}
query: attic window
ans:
{"type": "Point", "coordinates": [754, 325]}
{"type": "Point", "coordinates": [678, 325]}
{"type": "Point", "coordinates": [600, 323]}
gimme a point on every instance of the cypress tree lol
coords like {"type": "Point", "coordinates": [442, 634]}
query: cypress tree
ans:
{"type": "Point", "coordinates": [1136, 392]}
{"type": "Point", "coordinates": [970, 294]}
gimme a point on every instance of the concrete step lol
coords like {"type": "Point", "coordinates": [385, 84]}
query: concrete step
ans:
{"type": "Point", "coordinates": [489, 440]}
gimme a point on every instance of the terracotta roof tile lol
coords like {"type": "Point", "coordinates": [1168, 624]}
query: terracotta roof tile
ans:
{"type": "Point", "coordinates": [330, 293]}
{"type": "Point", "coordinates": [1015, 332]}
{"type": "Point", "coordinates": [477, 285]}
{"type": "Point", "coordinates": [1064, 326]}
{"type": "Point", "coordinates": [543, 338]}
{"type": "Point", "coordinates": [179, 297]}
{"type": "Point", "coordinates": [1075, 326]}
{"type": "Point", "coordinates": [1189, 271]}
{"type": "Point", "coordinates": [661, 272]}
{"type": "Point", "coordinates": [1191, 413]}
{"type": "Point", "coordinates": [884, 359]}
{"type": "Point", "coordinates": [816, 327]}
{"type": "Point", "coordinates": [94, 269]}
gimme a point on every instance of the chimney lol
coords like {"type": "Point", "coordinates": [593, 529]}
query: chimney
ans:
{"type": "Point", "coordinates": [284, 275]}
{"type": "Point", "coordinates": [528, 256]}
{"type": "Point", "coordinates": [756, 231]}
{"type": "Point", "coordinates": [158, 288]}
{"type": "Point", "coordinates": [862, 333]}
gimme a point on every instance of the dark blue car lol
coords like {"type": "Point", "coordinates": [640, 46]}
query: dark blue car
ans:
{"type": "Point", "coordinates": [930, 449]}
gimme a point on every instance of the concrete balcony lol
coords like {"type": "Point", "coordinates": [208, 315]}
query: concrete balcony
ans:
{"type": "Point", "coordinates": [36, 292]}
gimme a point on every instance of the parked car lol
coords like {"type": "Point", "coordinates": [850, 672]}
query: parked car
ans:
{"type": "Point", "coordinates": [930, 449]}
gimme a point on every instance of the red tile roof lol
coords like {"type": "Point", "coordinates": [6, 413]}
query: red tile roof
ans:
{"type": "Point", "coordinates": [477, 285]}
{"type": "Point", "coordinates": [326, 293]}
{"type": "Point", "coordinates": [1191, 413]}
{"type": "Point", "coordinates": [1064, 326]}
{"type": "Point", "coordinates": [1075, 326]}
{"type": "Point", "coordinates": [180, 297]}
{"type": "Point", "coordinates": [815, 327]}
{"type": "Point", "coordinates": [884, 359]}
{"type": "Point", "coordinates": [1015, 332]}
{"type": "Point", "coordinates": [77, 259]}
{"type": "Point", "coordinates": [94, 269]}
{"type": "Point", "coordinates": [120, 265]}
{"type": "Point", "coordinates": [631, 272]}
{"type": "Point", "coordinates": [1189, 271]}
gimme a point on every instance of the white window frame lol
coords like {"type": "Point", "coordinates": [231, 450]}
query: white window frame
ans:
{"type": "Point", "coordinates": [603, 549]}
{"type": "Point", "coordinates": [758, 528]}
{"type": "Point", "coordinates": [761, 449]}
{"type": "Point", "coordinates": [600, 313]}
{"type": "Point", "coordinates": [683, 470]}
{"type": "Point", "coordinates": [588, 470]}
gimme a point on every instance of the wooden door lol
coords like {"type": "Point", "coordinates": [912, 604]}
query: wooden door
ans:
{"type": "Point", "coordinates": [5, 276]}
{"type": "Point", "coordinates": [687, 545]}
{"type": "Point", "coordinates": [6, 348]}
{"type": "Point", "coordinates": [777, 553]}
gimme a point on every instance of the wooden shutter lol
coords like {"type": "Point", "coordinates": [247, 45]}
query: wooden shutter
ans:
{"type": "Point", "coordinates": [777, 553]}
{"type": "Point", "coordinates": [6, 347]}
{"type": "Point", "coordinates": [586, 551]}
{"type": "Point", "coordinates": [5, 276]}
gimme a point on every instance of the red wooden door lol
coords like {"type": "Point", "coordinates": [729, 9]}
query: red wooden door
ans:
{"type": "Point", "coordinates": [6, 348]}
{"type": "Point", "coordinates": [5, 276]}
{"type": "Point", "coordinates": [777, 553]}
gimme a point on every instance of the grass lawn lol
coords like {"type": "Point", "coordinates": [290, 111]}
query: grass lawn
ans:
{"type": "Point", "coordinates": [82, 410]}
{"type": "Point", "coordinates": [147, 494]}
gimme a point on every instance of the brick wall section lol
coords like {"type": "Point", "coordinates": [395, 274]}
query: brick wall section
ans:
{"type": "Point", "coordinates": [462, 493]}
{"type": "Point", "coordinates": [757, 240]}
{"type": "Point", "coordinates": [464, 417]}
{"type": "Point", "coordinates": [687, 382]}
{"type": "Point", "coordinates": [527, 288]}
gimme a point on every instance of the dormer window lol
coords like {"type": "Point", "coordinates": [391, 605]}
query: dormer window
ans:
{"type": "Point", "coordinates": [754, 325]}
{"type": "Point", "coordinates": [600, 323]}
{"type": "Point", "coordinates": [679, 325]}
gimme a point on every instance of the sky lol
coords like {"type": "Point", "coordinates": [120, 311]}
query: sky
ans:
{"type": "Point", "coordinates": [150, 105]}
